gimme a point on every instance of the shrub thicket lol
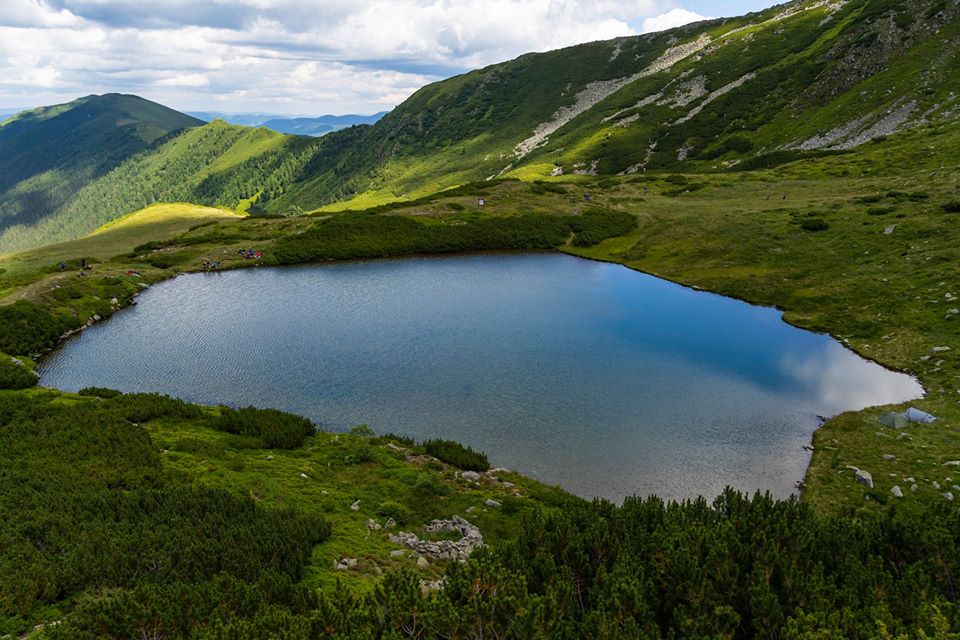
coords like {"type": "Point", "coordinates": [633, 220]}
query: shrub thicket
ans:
{"type": "Point", "coordinates": [457, 454]}
{"type": "Point", "coordinates": [355, 235]}
{"type": "Point", "coordinates": [14, 374]}
{"type": "Point", "coordinates": [87, 506]}
{"type": "Point", "coordinates": [28, 328]}
{"type": "Point", "coordinates": [814, 224]}
{"type": "Point", "coordinates": [277, 429]}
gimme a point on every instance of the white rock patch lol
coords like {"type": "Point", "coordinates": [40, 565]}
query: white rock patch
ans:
{"type": "Point", "coordinates": [725, 89]}
{"type": "Point", "coordinates": [595, 92]}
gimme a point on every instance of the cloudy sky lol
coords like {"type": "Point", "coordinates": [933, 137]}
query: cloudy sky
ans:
{"type": "Point", "coordinates": [304, 57]}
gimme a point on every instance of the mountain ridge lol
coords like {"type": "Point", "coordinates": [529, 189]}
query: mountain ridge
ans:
{"type": "Point", "coordinates": [804, 78]}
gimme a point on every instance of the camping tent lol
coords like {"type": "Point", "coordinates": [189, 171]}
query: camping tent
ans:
{"type": "Point", "coordinates": [915, 415]}
{"type": "Point", "coordinates": [895, 420]}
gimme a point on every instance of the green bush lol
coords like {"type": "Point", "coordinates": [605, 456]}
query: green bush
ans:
{"type": "Point", "coordinates": [814, 224]}
{"type": "Point", "coordinates": [596, 224]}
{"type": "Point", "coordinates": [361, 454]}
{"type": "Point", "coordinates": [430, 487]}
{"type": "Point", "coordinates": [362, 431]}
{"type": "Point", "coordinates": [28, 328]}
{"type": "Point", "coordinates": [951, 207]}
{"type": "Point", "coordinates": [880, 211]}
{"type": "Point", "coordinates": [99, 392]}
{"type": "Point", "coordinates": [14, 374]}
{"type": "Point", "coordinates": [277, 429]}
{"type": "Point", "coordinates": [144, 407]}
{"type": "Point", "coordinates": [457, 454]}
{"type": "Point", "coordinates": [395, 510]}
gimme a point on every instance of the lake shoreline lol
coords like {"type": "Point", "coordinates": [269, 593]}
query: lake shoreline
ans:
{"type": "Point", "coordinates": [680, 286]}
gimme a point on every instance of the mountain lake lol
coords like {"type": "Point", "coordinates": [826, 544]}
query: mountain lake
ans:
{"type": "Point", "coordinates": [591, 376]}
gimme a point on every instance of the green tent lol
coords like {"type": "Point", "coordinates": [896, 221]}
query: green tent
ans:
{"type": "Point", "coordinates": [895, 420]}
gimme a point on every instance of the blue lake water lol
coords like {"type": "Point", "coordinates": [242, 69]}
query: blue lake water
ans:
{"type": "Point", "coordinates": [603, 380]}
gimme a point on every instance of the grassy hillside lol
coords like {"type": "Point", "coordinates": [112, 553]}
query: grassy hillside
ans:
{"type": "Point", "coordinates": [806, 77]}
{"type": "Point", "coordinates": [158, 222]}
{"type": "Point", "coordinates": [48, 154]}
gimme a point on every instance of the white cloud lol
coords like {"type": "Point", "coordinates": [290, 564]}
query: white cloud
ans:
{"type": "Point", "coordinates": [293, 56]}
{"type": "Point", "coordinates": [185, 80]}
{"type": "Point", "coordinates": [671, 19]}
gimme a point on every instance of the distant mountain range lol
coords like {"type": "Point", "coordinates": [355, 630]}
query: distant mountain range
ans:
{"type": "Point", "coordinates": [803, 78]}
{"type": "Point", "coordinates": [301, 126]}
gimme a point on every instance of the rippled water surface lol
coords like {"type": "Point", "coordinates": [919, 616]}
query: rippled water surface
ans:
{"type": "Point", "coordinates": [600, 379]}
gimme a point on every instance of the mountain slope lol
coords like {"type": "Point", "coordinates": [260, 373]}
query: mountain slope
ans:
{"type": "Point", "coordinates": [810, 77]}
{"type": "Point", "coordinates": [805, 76]}
{"type": "Point", "coordinates": [47, 154]}
{"type": "Point", "coordinates": [218, 164]}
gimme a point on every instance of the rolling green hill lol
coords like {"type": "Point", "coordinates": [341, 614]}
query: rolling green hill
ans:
{"type": "Point", "coordinates": [48, 154]}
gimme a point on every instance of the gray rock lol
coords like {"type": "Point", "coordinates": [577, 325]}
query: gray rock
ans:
{"type": "Point", "coordinates": [897, 493]}
{"type": "Point", "coordinates": [935, 349]}
{"type": "Point", "coordinates": [114, 301]}
{"type": "Point", "coordinates": [355, 506]}
{"type": "Point", "coordinates": [889, 457]}
{"type": "Point", "coordinates": [397, 553]}
{"type": "Point", "coordinates": [427, 586]}
{"type": "Point", "coordinates": [461, 549]}
{"type": "Point", "coordinates": [346, 563]}
{"type": "Point", "coordinates": [952, 463]}
{"type": "Point", "coordinates": [472, 476]}
{"type": "Point", "coordinates": [303, 475]}
{"type": "Point", "coordinates": [948, 496]}
{"type": "Point", "coordinates": [936, 485]}
{"type": "Point", "coordinates": [864, 478]}
{"type": "Point", "coordinates": [390, 523]}
{"type": "Point", "coordinates": [490, 502]}
{"type": "Point", "coordinates": [422, 562]}
{"type": "Point", "coordinates": [508, 485]}
{"type": "Point", "coordinates": [914, 487]}
{"type": "Point", "coordinates": [373, 525]}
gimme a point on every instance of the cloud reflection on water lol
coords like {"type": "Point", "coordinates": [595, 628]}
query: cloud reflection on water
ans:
{"type": "Point", "coordinates": [841, 381]}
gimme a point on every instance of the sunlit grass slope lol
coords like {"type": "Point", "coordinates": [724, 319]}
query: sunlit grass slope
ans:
{"type": "Point", "coordinates": [155, 223]}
